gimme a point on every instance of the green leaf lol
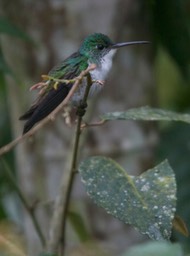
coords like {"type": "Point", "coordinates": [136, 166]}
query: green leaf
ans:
{"type": "Point", "coordinates": [79, 226]}
{"type": "Point", "coordinates": [147, 202]}
{"type": "Point", "coordinates": [6, 27]}
{"type": "Point", "coordinates": [147, 114]}
{"type": "Point", "coordinates": [156, 249]}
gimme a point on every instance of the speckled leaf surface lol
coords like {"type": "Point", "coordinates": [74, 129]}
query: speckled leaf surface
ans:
{"type": "Point", "coordinates": [148, 201]}
{"type": "Point", "coordinates": [147, 114]}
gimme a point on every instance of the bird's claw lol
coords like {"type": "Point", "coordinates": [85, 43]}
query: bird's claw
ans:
{"type": "Point", "coordinates": [38, 86]}
{"type": "Point", "coordinates": [101, 82]}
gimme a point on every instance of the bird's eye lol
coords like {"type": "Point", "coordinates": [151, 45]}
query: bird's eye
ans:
{"type": "Point", "coordinates": [100, 47]}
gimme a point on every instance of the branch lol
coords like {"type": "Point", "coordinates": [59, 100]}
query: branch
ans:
{"type": "Point", "coordinates": [51, 116]}
{"type": "Point", "coordinates": [58, 225]}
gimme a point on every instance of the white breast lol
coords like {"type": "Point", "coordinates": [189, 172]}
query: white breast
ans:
{"type": "Point", "coordinates": [101, 72]}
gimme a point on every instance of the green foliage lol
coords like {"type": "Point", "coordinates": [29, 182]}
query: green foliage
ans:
{"type": "Point", "coordinates": [172, 90]}
{"type": "Point", "coordinates": [147, 114]}
{"type": "Point", "coordinates": [155, 249]}
{"type": "Point", "coordinates": [172, 19]}
{"type": "Point", "coordinates": [4, 68]}
{"type": "Point", "coordinates": [79, 226]}
{"type": "Point", "coordinates": [175, 141]}
{"type": "Point", "coordinates": [122, 195]}
{"type": "Point", "coordinates": [148, 202]}
{"type": "Point", "coordinates": [5, 131]}
{"type": "Point", "coordinates": [7, 28]}
{"type": "Point", "coordinates": [172, 31]}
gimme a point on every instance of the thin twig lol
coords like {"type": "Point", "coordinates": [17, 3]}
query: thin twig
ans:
{"type": "Point", "coordinates": [58, 225]}
{"type": "Point", "coordinates": [74, 158]}
{"type": "Point", "coordinates": [29, 209]}
{"type": "Point", "coordinates": [51, 116]}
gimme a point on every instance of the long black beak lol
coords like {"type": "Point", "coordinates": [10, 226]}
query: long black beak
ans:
{"type": "Point", "coordinates": [118, 45]}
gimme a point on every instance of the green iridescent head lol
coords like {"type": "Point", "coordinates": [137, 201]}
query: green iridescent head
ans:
{"type": "Point", "coordinates": [98, 45]}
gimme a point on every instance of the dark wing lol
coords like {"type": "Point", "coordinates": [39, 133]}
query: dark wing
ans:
{"type": "Point", "coordinates": [38, 112]}
{"type": "Point", "coordinates": [46, 103]}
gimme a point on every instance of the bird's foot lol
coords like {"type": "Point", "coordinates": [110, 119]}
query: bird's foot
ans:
{"type": "Point", "coordinates": [39, 85]}
{"type": "Point", "coordinates": [101, 82]}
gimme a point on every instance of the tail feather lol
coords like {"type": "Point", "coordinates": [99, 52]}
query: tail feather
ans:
{"type": "Point", "coordinates": [45, 107]}
{"type": "Point", "coordinates": [28, 113]}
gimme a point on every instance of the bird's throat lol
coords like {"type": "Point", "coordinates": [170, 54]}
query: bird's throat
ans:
{"type": "Point", "coordinates": [103, 66]}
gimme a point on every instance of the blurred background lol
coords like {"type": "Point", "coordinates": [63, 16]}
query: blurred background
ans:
{"type": "Point", "coordinates": [35, 36]}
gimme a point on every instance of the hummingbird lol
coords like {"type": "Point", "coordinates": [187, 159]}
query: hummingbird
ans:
{"type": "Point", "coordinates": [96, 49]}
